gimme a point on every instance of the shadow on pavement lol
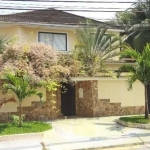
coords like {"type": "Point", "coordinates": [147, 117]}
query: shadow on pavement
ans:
{"type": "Point", "coordinates": [113, 127]}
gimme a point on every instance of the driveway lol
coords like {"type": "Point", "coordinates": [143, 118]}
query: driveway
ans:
{"type": "Point", "coordinates": [96, 132]}
{"type": "Point", "coordinates": [85, 133]}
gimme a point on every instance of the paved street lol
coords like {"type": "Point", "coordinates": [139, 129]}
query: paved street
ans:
{"type": "Point", "coordinates": [135, 147]}
{"type": "Point", "coordinates": [83, 133]}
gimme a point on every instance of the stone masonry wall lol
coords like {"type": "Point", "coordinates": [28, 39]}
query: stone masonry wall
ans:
{"type": "Point", "coordinates": [90, 105]}
{"type": "Point", "coordinates": [38, 111]}
{"type": "Point", "coordinates": [84, 106]}
{"type": "Point", "coordinates": [103, 107]}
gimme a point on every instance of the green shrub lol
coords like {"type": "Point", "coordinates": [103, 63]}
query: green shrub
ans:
{"type": "Point", "coordinates": [16, 119]}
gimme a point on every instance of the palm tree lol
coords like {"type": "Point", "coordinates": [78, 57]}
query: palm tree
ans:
{"type": "Point", "coordinates": [21, 86]}
{"type": "Point", "coordinates": [138, 34]}
{"type": "Point", "coordinates": [140, 71]}
{"type": "Point", "coordinates": [97, 40]}
{"type": "Point", "coordinates": [95, 46]}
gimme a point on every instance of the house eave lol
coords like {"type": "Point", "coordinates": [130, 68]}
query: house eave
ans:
{"type": "Point", "coordinates": [96, 78]}
{"type": "Point", "coordinates": [73, 26]}
{"type": "Point", "coordinates": [40, 24]}
{"type": "Point", "coordinates": [116, 30]}
{"type": "Point", "coordinates": [119, 63]}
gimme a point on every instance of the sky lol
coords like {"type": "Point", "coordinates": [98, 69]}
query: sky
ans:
{"type": "Point", "coordinates": [69, 5]}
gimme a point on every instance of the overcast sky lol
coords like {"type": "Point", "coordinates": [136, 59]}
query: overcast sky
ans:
{"type": "Point", "coordinates": [67, 5]}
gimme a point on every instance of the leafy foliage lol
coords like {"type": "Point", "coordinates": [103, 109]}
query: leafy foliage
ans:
{"type": "Point", "coordinates": [38, 60]}
{"type": "Point", "coordinates": [138, 36]}
{"type": "Point", "coordinates": [69, 62]}
{"type": "Point", "coordinates": [16, 119]}
{"type": "Point", "coordinates": [3, 42]}
{"type": "Point", "coordinates": [136, 24]}
{"type": "Point", "coordinates": [95, 46]}
{"type": "Point", "coordinates": [139, 12]}
{"type": "Point", "coordinates": [21, 86]}
{"type": "Point", "coordinates": [140, 71]}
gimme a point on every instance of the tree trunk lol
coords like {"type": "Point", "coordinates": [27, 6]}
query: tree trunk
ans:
{"type": "Point", "coordinates": [20, 121]}
{"type": "Point", "coordinates": [146, 103]}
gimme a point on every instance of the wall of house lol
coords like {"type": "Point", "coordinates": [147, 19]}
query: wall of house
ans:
{"type": "Point", "coordinates": [30, 34]}
{"type": "Point", "coordinates": [9, 32]}
{"type": "Point", "coordinates": [116, 91]}
{"type": "Point", "coordinates": [12, 107]}
{"type": "Point", "coordinates": [109, 98]}
{"type": "Point", "coordinates": [32, 107]}
{"type": "Point", "coordinates": [113, 66]}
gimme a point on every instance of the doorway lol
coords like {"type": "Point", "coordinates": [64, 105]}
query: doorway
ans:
{"type": "Point", "coordinates": [67, 99]}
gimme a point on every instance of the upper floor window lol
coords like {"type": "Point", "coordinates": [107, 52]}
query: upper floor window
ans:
{"type": "Point", "coordinates": [57, 40]}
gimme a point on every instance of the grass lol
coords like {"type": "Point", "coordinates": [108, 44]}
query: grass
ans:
{"type": "Point", "coordinates": [135, 119]}
{"type": "Point", "coordinates": [27, 127]}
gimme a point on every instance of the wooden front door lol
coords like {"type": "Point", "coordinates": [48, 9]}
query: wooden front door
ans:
{"type": "Point", "coordinates": [68, 99]}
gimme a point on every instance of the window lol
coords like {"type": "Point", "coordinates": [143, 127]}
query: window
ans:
{"type": "Point", "coordinates": [57, 40]}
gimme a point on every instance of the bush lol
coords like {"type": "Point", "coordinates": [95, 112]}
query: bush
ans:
{"type": "Point", "coordinates": [16, 119]}
{"type": "Point", "coordinates": [38, 60]}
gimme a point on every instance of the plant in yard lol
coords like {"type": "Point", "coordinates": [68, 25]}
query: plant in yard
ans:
{"type": "Point", "coordinates": [94, 47]}
{"type": "Point", "coordinates": [139, 71]}
{"type": "Point", "coordinates": [136, 23]}
{"type": "Point", "coordinates": [138, 35]}
{"type": "Point", "coordinates": [16, 119]}
{"type": "Point", "coordinates": [3, 42]}
{"type": "Point", "coordinates": [41, 62]}
{"type": "Point", "coordinates": [21, 86]}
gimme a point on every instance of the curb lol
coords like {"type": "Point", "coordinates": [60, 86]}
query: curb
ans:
{"type": "Point", "coordinates": [134, 125]}
{"type": "Point", "coordinates": [117, 146]}
{"type": "Point", "coordinates": [38, 135]}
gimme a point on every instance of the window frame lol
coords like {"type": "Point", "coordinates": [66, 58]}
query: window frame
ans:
{"type": "Point", "coordinates": [66, 37]}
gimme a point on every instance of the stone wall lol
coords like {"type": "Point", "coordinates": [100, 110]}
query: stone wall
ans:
{"type": "Point", "coordinates": [90, 105]}
{"type": "Point", "coordinates": [105, 108]}
{"type": "Point", "coordinates": [38, 111]}
{"type": "Point", "coordinates": [84, 106]}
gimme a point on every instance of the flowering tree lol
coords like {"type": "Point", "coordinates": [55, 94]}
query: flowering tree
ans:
{"type": "Point", "coordinates": [39, 61]}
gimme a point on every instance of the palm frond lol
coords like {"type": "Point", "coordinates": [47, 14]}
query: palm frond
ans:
{"type": "Point", "coordinates": [21, 86]}
{"type": "Point", "coordinates": [130, 52]}
{"type": "Point", "coordinates": [126, 68]}
{"type": "Point", "coordinates": [131, 79]}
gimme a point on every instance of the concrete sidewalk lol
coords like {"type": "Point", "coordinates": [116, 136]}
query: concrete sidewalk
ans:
{"type": "Point", "coordinates": [85, 133]}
